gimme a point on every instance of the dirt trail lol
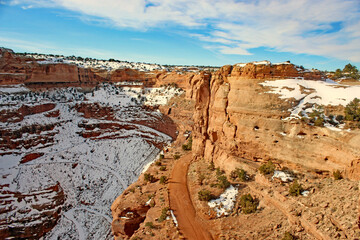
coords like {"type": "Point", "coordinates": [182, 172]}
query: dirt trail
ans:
{"type": "Point", "coordinates": [180, 202]}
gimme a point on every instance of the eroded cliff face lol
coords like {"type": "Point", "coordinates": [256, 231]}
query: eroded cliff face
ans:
{"type": "Point", "coordinates": [37, 212]}
{"type": "Point", "coordinates": [16, 69]}
{"type": "Point", "coordinates": [236, 119]}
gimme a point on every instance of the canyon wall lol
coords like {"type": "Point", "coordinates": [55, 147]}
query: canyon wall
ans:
{"type": "Point", "coordinates": [236, 119]}
{"type": "Point", "coordinates": [17, 69]}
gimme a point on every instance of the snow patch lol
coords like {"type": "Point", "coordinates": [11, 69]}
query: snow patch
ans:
{"type": "Point", "coordinates": [312, 92]}
{"type": "Point", "coordinates": [13, 88]}
{"type": "Point", "coordinates": [305, 193]}
{"type": "Point", "coordinates": [174, 218]}
{"type": "Point", "coordinates": [285, 177]}
{"type": "Point", "coordinates": [225, 203]}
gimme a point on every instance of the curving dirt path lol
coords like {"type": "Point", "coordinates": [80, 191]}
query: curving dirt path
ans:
{"type": "Point", "coordinates": [181, 204]}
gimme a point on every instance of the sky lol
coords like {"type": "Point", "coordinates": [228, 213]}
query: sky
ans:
{"type": "Point", "coordinates": [321, 34]}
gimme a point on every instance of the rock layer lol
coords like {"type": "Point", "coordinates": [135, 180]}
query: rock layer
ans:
{"type": "Point", "coordinates": [16, 69]}
{"type": "Point", "coordinates": [235, 118]}
{"type": "Point", "coordinates": [37, 212]}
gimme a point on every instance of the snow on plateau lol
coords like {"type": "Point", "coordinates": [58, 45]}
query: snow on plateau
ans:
{"type": "Point", "coordinates": [92, 172]}
{"type": "Point", "coordinates": [312, 92]}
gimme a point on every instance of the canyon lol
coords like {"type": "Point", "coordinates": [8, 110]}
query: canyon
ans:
{"type": "Point", "coordinates": [78, 138]}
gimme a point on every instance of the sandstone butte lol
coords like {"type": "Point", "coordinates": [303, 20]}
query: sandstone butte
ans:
{"type": "Point", "coordinates": [234, 123]}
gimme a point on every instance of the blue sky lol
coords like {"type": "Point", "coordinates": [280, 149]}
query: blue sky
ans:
{"type": "Point", "coordinates": [322, 34]}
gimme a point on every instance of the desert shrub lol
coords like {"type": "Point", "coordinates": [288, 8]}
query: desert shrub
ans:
{"type": "Point", "coordinates": [332, 121]}
{"type": "Point", "coordinates": [163, 168]}
{"type": "Point", "coordinates": [176, 156]}
{"type": "Point", "coordinates": [288, 236]}
{"type": "Point", "coordinates": [211, 166]}
{"type": "Point", "coordinates": [352, 110]}
{"type": "Point", "coordinates": [163, 179]}
{"type": "Point", "coordinates": [295, 188]}
{"type": "Point", "coordinates": [267, 168]}
{"type": "Point", "coordinates": [337, 175]}
{"type": "Point", "coordinates": [219, 172]}
{"type": "Point", "coordinates": [205, 195]}
{"type": "Point", "coordinates": [149, 225]}
{"type": "Point", "coordinates": [158, 163]}
{"type": "Point", "coordinates": [161, 156]}
{"type": "Point", "coordinates": [164, 214]}
{"type": "Point", "coordinates": [149, 178]}
{"type": "Point", "coordinates": [239, 174]}
{"type": "Point", "coordinates": [248, 204]}
{"type": "Point", "coordinates": [223, 182]}
{"type": "Point", "coordinates": [201, 178]}
{"type": "Point", "coordinates": [188, 146]}
{"type": "Point", "coordinates": [339, 118]}
{"type": "Point", "coordinates": [317, 117]}
{"type": "Point", "coordinates": [136, 238]}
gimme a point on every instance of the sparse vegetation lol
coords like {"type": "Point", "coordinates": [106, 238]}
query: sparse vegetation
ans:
{"type": "Point", "coordinates": [340, 118]}
{"type": "Point", "coordinates": [317, 117]}
{"type": "Point", "coordinates": [219, 172]}
{"type": "Point", "coordinates": [295, 188]}
{"type": "Point", "coordinates": [149, 178]}
{"type": "Point", "coordinates": [211, 166]}
{"type": "Point", "coordinates": [223, 182]}
{"type": "Point", "coordinates": [248, 204]}
{"type": "Point", "coordinates": [164, 214]}
{"type": "Point", "coordinates": [176, 156]}
{"type": "Point", "coordinates": [267, 168]}
{"type": "Point", "coordinates": [149, 225]}
{"type": "Point", "coordinates": [337, 175]}
{"type": "Point", "coordinates": [349, 71]}
{"type": "Point", "coordinates": [352, 110]}
{"type": "Point", "coordinates": [240, 174]}
{"type": "Point", "coordinates": [201, 178]}
{"type": "Point", "coordinates": [163, 179]}
{"type": "Point", "coordinates": [136, 238]}
{"type": "Point", "coordinates": [188, 146]}
{"type": "Point", "coordinates": [161, 156]}
{"type": "Point", "coordinates": [205, 195]}
{"type": "Point", "coordinates": [158, 163]}
{"type": "Point", "coordinates": [163, 168]}
{"type": "Point", "coordinates": [288, 236]}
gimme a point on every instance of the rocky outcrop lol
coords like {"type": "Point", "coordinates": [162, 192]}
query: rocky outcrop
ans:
{"type": "Point", "coordinates": [14, 69]}
{"type": "Point", "coordinates": [129, 220]}
{"type": "Point", "coordinates": [18, 115]}
{"type": "Point", "coordinates": [31, 156]}
{"type": "Point", "coordinates": [17, 69]}
{"type": "Point", "coordinates": [235, 118]}
{"type": "Point", "coordinates": [95, 111]}
{"type": "Point", "coordinates": [13, 138]}
{"type": "Point", "coordinates": [268, 70]}
{"type": "Point", "coordinates": [37, 212]}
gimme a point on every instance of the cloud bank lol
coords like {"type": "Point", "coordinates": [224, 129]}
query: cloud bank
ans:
{"type": "Point", "coordinates": [329, 28]}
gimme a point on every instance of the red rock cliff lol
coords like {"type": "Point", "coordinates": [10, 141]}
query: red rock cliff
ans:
{"type": "Point", "coordinates": [235, 118]}
{"type": "Point", "coordinates": [16, 69]}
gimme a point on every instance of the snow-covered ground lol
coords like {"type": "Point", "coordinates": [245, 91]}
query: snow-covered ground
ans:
{"type": "Point", "coordinates": [110, 65]}
{"type": "Point", "coordinates": [92, 171]}
{"type": "Point", "coordinates": [265, 62]}
{"type": "Point", "coordinates": [225, 203]}
{"type": "Point", "coordinates": [314, 93]}
{"type": "Point", "coordinates": [94, 63]}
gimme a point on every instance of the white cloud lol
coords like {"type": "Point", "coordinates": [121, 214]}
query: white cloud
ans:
{"type": "Point", "coordinates": [328, 28]}
{"type": "Point", "coordinates": [234, 50]}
